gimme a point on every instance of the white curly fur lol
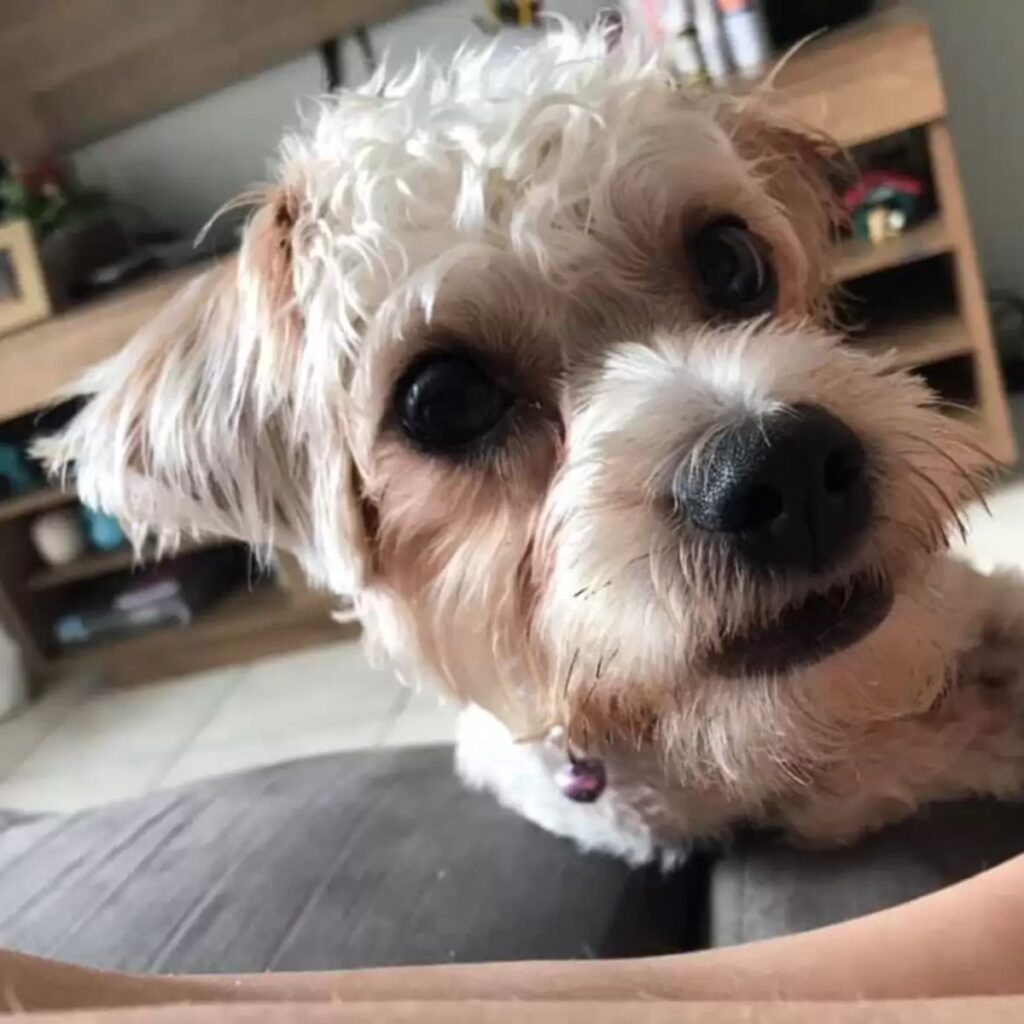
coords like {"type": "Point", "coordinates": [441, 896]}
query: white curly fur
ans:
{"type": "Point", "coordinates": [535, 211]}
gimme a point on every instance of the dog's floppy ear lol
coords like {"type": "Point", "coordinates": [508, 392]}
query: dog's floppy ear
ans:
{"type": "Point", "coordinates": [193, 426]}
{"type": "Point", "coordinates": [798, 168]}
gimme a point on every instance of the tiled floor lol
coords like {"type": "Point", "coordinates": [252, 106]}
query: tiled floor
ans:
{"type": "Point", "coordinates": [83, 745]}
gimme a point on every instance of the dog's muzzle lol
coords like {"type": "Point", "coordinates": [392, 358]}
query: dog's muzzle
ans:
{"type": "Point", "coordinates": [790, 490]}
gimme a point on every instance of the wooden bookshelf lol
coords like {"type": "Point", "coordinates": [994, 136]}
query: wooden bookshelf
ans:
{"type": "Point", "coordinates": [34, 502]}
{"type": "Point", "coordinates": [868, 81]}
{"type": "Point", "coordinates": [245, 625]}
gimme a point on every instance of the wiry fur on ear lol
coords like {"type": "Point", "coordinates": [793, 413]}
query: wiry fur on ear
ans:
{"type": "Point", "coordinates": [193, 425]}
{"type": "Point", "coordinates": [796, 166]}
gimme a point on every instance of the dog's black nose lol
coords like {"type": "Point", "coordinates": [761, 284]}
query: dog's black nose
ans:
{"type": "Point", "coordinates": [790, 489]}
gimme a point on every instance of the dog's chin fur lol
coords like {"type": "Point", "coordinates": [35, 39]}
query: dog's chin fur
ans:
{"type": "Point", "coordinates": [536, 214]}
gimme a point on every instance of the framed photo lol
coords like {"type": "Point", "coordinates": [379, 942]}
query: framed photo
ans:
{"type": "Point", "coordinates": [23, 296]}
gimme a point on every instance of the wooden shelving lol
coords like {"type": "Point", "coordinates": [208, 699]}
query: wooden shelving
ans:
{"type": "Point", "coordinates": [265, 602]}
{"type": "Point", "coordinates": [33, 502]}
{"type": "Point", "coordinates": [869, 81]}
{"type": "Point", "coordinates": [104, 563]}
{"type": "Point", "coordinates": [241, 626]}
{"type": "Point", "coordinates": [922, 340]}
{"type": "Point", "coordinates": [872, 78]}
{"type": "Point", "coordinates": [41, 361]}
{"type": "Point", "coordinates": [854, 257]}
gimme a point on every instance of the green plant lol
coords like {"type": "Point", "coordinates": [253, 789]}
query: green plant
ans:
{"type": "Point", "coordinates": [47, 203]}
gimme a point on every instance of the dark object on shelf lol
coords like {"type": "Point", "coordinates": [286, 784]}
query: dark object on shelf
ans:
{"type": "Point", "coordinates": [883, 204]}
{"type": "Point", "coordinates": [50, 419]}
{"type": "Point", "coordinates": [508, 14]}
{"type": "Point", "coordinates": [72, 254]}
{"type": "Point", "coordinates": [331, 51]}
{"type": "Point", "coordinates": [98, 624]}
{"type": "Point", "coordinates": [792, 20]}
{"type": "Point", "coordinates": [515, 12]}
{"type": "Point", "coordinates": [1007, 311]}
{"type": "Point", "coordinates": [17, 474]}
{"type": "Point", "coordinates": [166, 595]}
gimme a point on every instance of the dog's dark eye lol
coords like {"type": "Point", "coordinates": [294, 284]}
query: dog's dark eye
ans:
{"type": "Point", "coordinates": [447, 401]}
{"type": "Point", "coordinates": [733, 271]}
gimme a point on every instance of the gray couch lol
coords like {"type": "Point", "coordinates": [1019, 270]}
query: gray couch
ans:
{"type": "Point", "coordinates": [367, 859]}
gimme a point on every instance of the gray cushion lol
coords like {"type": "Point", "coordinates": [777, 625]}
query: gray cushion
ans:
{"type": "Point", "coordinates": [357, 859]}
{"type": "Point", "coordinates": [762, 888]}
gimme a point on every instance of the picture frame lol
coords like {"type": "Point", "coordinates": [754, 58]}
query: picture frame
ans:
{"type": "Point", "coordinates": [23, 295]}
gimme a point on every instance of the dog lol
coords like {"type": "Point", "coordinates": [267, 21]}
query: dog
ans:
{"type": "Point", "coordinates": [534, 363]}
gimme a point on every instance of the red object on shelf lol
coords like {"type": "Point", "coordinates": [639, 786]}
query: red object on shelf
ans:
{"type": "Point", "coordinates": [870, 180]}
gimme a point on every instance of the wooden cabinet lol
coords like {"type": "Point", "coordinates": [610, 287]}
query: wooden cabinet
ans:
{"type": "Point", "coordinates": [873, 79]}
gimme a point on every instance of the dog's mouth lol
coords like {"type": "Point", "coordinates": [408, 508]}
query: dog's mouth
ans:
{"type": "Point", "coordinates": [807, 632]}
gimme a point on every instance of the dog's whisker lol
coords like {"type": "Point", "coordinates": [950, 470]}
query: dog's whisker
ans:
{"type": "Point", "coordinates": [607, 664]}
{"type": "Point", "coordinates": [915, 535]}
{"type": "Point", "coordinates": [568, 674]}
{"type": "Point", "coordinates": [943, 497]}
{"type": "Point", "coordinates": [960, 470]}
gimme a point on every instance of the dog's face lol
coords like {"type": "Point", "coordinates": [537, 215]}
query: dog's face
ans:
{"type": "Point", "coordinates": [531, 360]}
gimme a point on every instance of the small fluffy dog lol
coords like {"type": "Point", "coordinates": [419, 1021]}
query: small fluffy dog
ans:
{"type": "Point", "coordinates": [533, 362]}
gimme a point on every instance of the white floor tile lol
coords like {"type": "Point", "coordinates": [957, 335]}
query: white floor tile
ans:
{"type": "Point", "coordinates": [87, 786]}
{"type": "Point", "coordinates": [120, 726]}
{"type": "Point", "coordinates": [424, 719]}
{"type": "Point", "coordinates": [326, 688]}
{"type": "Point", "coordinates": [23, 733]}
{"type": "Point", "coordinates": [201, 762]}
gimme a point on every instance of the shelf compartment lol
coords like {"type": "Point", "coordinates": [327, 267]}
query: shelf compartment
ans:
{"type": "Point", "coordinates": [104, 563]}
{"type": "Point", "coordinates": [926, 339]}
{"type": "Point", "coordinates": [854, 257]}
{"type": "Point", "coordinates": [34, 501]}
{"type": "Point", "coordinates": [244, 624]}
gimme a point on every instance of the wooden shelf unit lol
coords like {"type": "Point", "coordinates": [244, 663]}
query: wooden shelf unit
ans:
{"type": "Point", "coordinates": [245, 625]}
{"type": "Point", "coordinates": [106, 563]}
{"type": "Point", "coordinates": [873, 79]}
{"type": "Point", "coordinates": [922, 340]}
{"type": "Point", "coordinates": [855, 258]}
{"type": "Point", "coordinates": [33, 503]}
{"type": "Point", "coordinates": [279, 615]}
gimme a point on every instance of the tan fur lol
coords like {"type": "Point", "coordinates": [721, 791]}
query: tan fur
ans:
{"type": "Point", "coordinates": [553, 583]}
